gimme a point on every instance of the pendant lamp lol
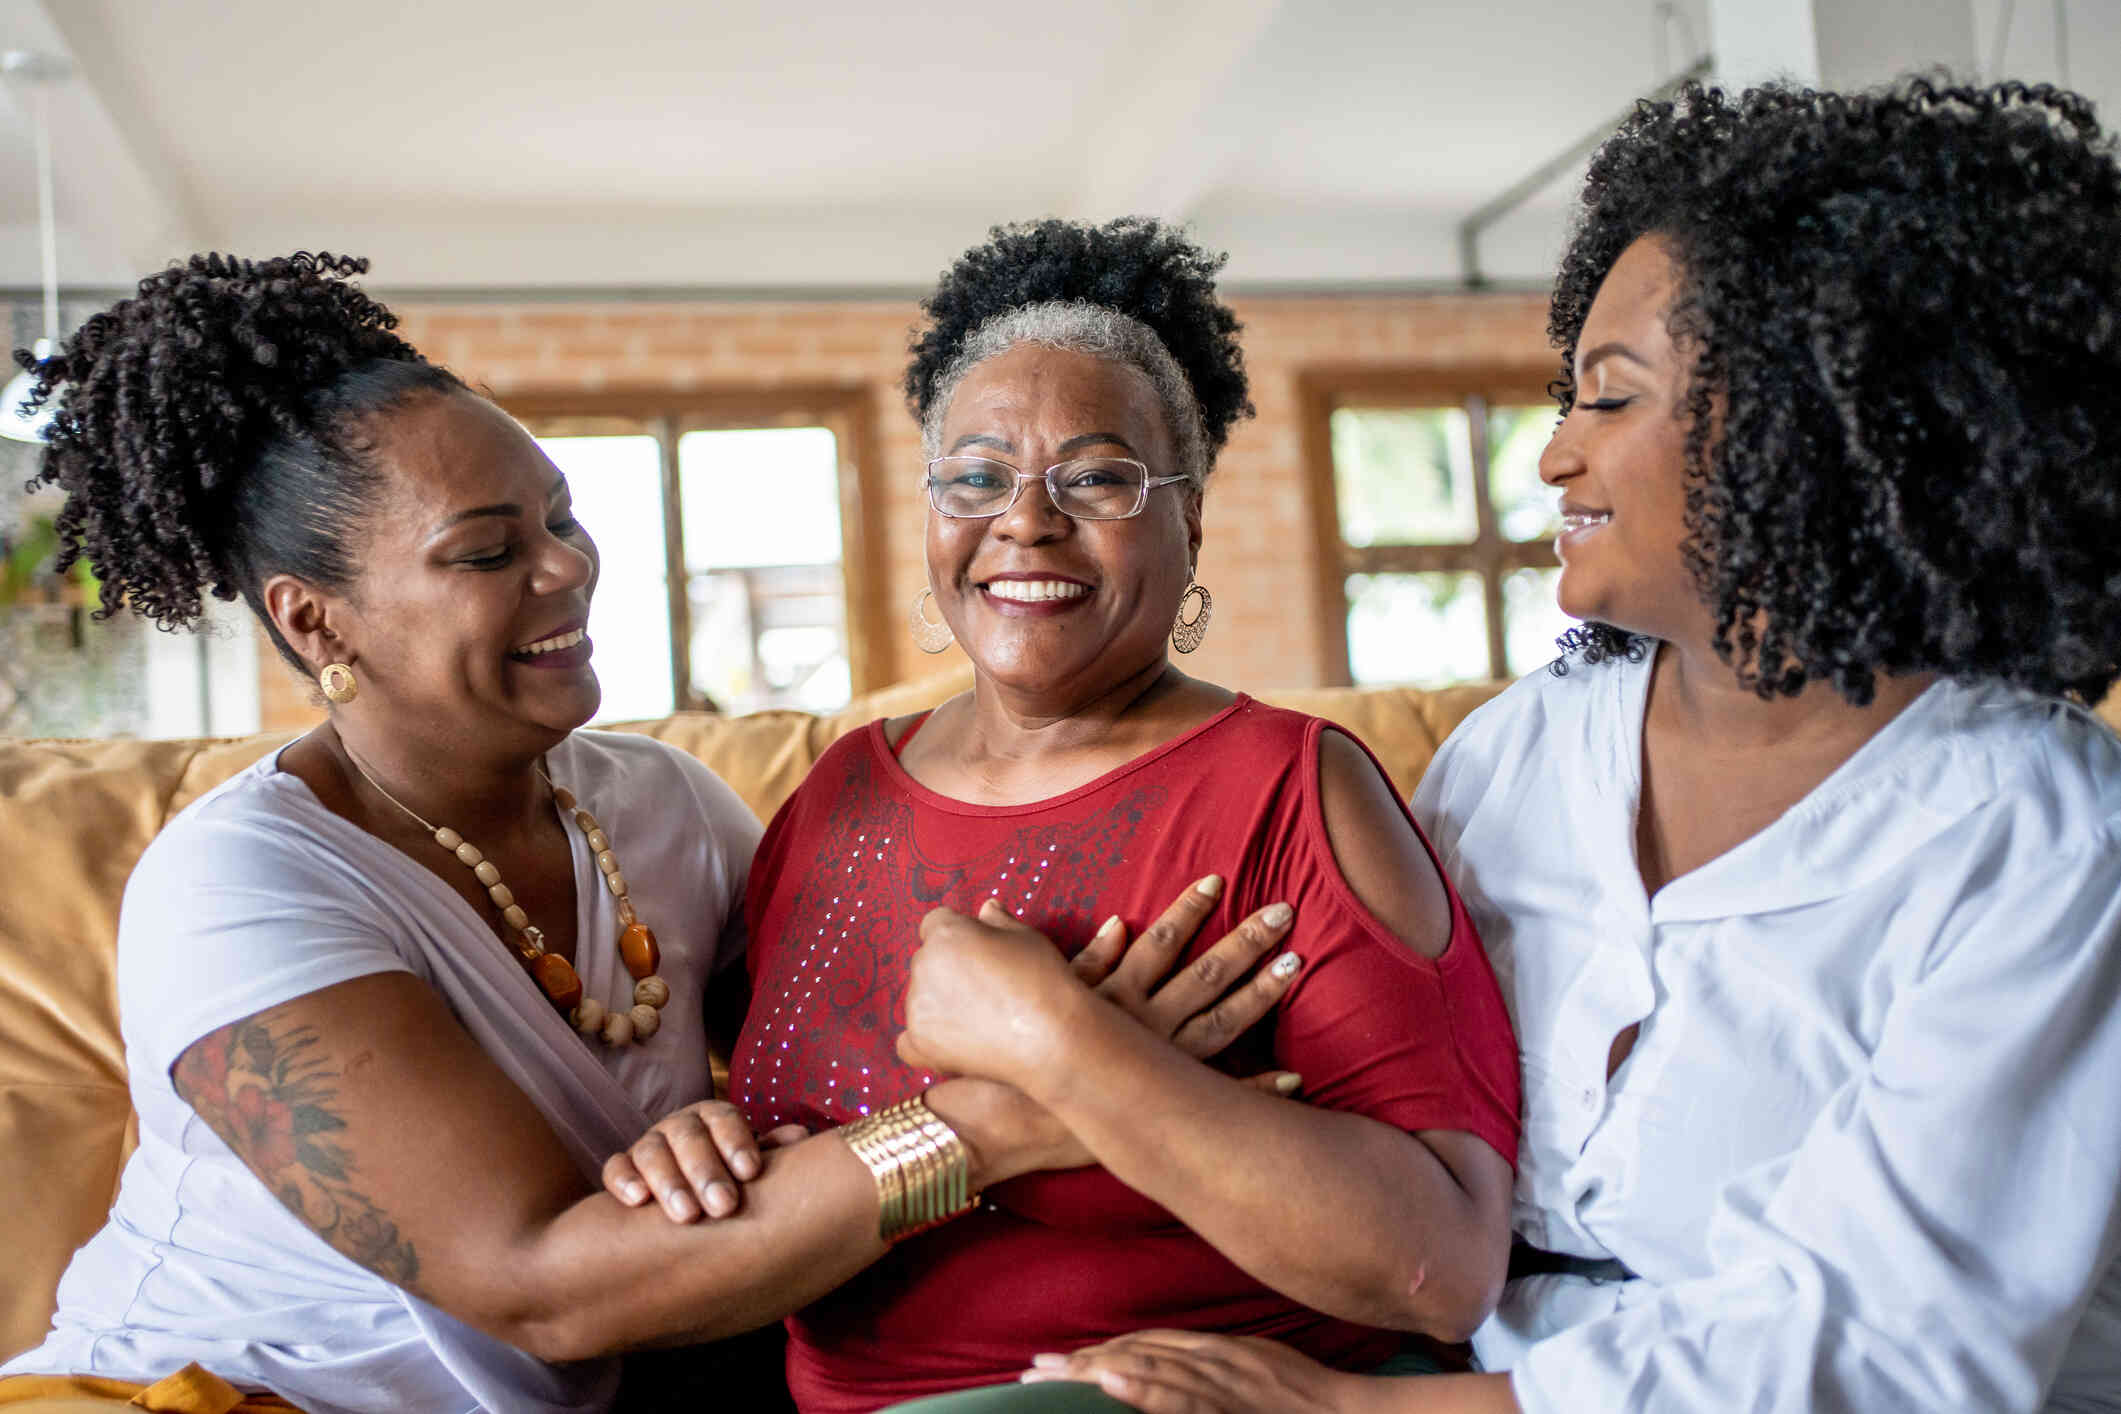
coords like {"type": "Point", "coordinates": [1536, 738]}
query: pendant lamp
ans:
{"type": "Point", "coordinates": [38, 71]}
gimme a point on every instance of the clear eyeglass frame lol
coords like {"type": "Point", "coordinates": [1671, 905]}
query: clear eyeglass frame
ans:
{"type": "Point", "coordinates": [1055, 490]}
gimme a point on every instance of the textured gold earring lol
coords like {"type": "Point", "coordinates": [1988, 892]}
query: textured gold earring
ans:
{"type": "Point", "coordinates": [338, 683]}
{"type": "Point", "coordinates": [928, 636]}
{"type": "Point", "coordinates": [1186, 633]}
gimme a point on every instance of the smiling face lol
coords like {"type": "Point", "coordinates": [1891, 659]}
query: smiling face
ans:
{"type": "Point", "coordinates": [1044, 604]}
{"type": "Point", "coordinates": [1619, 459]}
{"type": "Point", "coordinates": [468, 622]}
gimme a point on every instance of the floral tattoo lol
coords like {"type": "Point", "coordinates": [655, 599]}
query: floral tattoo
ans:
{"type": "Point", "coordinates": [270, 1093]}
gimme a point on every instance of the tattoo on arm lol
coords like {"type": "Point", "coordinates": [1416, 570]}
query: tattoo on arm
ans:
{"type": "Point", "coordinates": [272, 1095]}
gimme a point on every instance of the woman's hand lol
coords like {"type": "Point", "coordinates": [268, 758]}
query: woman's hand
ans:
{"type": "Point", "coordinates": [692, 1161]}
{"type": "Point", "coordinates": [1192, 1372]}
{"type": "Point", "coordinates": [1188, 1372]}
{"type": "Point", "coordinates": [991, 996]}
{"type": "Point", "coordinates": [1199, 1009]}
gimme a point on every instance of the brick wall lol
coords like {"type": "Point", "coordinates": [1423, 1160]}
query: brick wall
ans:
{"type": "Point", "coordinates": [1260, 556]}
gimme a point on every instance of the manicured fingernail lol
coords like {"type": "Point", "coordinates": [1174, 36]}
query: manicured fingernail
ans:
{"type": "Point", "coordinates": [720, 1198]}
{"type": "Point", "coordinates": [1110, 925]}
{"type": "Point", "coordinates": [1285, 966]}
{"type": "Point", "coordinates": [1048, 1361]}
{"type": "Point", "coordinates": [1288, 1083]}
{"type": "Point", "coordinates": [745, 1164]}
{"type": "Point", "coordinates": [634, 1192]}
{"type": "Point", "coordinates": [680, 1205]}
{"type": "Point", "coordinates": [1276, 915]}
{"type": "Point", "coordinates": [1037, 1377]}
{"type": "Point", "coordinates": [1210, 887]}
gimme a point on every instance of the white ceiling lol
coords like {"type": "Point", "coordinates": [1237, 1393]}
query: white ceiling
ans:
{"type": "Point", "coordinates": [835, 144]}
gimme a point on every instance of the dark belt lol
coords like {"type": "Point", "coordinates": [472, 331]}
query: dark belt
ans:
{"type": "Point", "coordinates": [1529, 1261]}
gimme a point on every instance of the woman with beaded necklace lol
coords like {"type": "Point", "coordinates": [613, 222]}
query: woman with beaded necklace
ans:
{"type": "Point", "coordinates": [415, 975]}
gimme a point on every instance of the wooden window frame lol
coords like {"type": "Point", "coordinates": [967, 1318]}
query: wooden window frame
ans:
{"type": "Point", "coordinates": [1475, 389]}
{"type": "Point", "coordinates": [849, 412]}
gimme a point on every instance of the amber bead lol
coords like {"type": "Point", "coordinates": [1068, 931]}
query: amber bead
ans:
{"type": "Point", "coordinates": [556, 977]}
{"type": "Point", "coordinates": [637, 947]}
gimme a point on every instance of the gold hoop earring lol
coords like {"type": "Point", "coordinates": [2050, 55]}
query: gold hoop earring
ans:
{"type": "Point", "coordinates": [337, 681]}
{"type": "Point", "coordinates": [1186, 633]}
{"type": "Point", "coordinates": [928, 636]}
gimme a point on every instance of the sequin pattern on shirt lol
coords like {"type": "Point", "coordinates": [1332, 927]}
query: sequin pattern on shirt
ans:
{"type": "Point", "coordinates": [827, 1007]}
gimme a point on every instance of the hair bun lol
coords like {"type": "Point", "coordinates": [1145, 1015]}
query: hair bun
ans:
{"type": "Point", "coordinates": [167, 399]}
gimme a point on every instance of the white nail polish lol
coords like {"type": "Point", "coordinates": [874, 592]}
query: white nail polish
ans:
{"type": "Point", "coordinates": [1285, 966]}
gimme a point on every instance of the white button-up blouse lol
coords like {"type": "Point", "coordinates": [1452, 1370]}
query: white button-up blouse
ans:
{"type": "Point", "coordinates": [1866, 1152]}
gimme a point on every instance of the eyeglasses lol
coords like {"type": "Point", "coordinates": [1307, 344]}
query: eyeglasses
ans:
{"type": "Point", "coordinates": [1091, 488]}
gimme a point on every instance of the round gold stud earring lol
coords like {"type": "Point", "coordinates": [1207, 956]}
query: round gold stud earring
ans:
{"type": "Point", "coordinates": [337, 681]}
{"type": "Point", "coordinates": [928, 636]}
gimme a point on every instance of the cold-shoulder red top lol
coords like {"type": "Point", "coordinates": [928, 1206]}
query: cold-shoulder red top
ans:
{"type": "Point", "coordinates": [1053, 1261]}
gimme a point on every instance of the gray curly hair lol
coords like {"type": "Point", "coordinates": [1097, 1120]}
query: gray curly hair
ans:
{"type": "Point", "coordinates": [1078, 326]}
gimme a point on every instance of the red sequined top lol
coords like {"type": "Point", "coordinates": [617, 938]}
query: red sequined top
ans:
{"type": "Point", "coordinates": [1055, 1261]}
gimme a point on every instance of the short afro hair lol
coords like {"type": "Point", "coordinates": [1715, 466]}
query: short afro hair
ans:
{"type": "Point", "coordinates": [1907, 305]}
{"type": "Point", "coordinates": [1135, 267]}
{"type": "Point", "coordinates": [212, 430]}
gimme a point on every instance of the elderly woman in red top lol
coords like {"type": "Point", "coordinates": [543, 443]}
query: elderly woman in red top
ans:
{"type": "Point", "coordinates": [1074, 386]}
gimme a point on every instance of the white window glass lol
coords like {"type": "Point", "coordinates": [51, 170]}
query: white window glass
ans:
{"type": "Point", "coordinates": [762, 561]}
{"type": "Point", "coordinates": [1404, 476]}
{"type": "Point", "coordinates": [1425, 629]}
{"type": "Point", "coordinates": [1526, 508]}
{"type": "Point", "coordinates": [617, 485]}
{"type": "Point", "coordinates": [1531, 619]}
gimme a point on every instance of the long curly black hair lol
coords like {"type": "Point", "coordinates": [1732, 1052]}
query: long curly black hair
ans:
{"type": "Point", "coordinates": [1908, 305]}
{"type": "Point", "coordinates": [1136, 265]}
{"type": "Point", "coordinates": [212, 430]}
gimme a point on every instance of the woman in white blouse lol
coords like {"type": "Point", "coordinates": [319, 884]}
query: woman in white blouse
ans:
{"type": "Point", "coordinates": [1803, 867]}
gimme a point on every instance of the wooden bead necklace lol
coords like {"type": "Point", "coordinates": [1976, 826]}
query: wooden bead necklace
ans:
{"type": "Point", "coordinates": [554, 974]}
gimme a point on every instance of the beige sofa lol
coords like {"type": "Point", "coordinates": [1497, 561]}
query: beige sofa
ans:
{"type": "Point", "coordinates": [75, 815]}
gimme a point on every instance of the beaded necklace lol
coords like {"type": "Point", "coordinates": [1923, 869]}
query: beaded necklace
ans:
{"type": "Point", "coordinates": [554, 974]}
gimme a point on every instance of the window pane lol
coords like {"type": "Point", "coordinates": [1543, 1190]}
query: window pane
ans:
{"type": "Point", "coordinates": [760, 496]}
{"type": "Point", "coordinates": [1417, 628]}
{"type": "Point", "coordinates": [762, 555]}
{"type": "Point", "coordinates": [1531, 619]}
{"type": "Point", "coordinates": [1526, 508]}
{"type": "Point", "coordinates": [617, 485]}
{"type": "Point", "coordinates": [1404, 476]}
